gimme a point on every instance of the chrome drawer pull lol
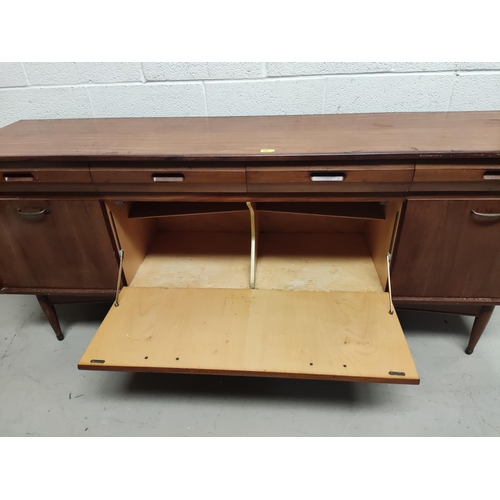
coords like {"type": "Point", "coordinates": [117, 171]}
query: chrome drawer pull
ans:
{"type": "Point", "coordinates": [168, 178]}
{"type": "Point", "coordinates": [29, 213]}
{"type": "Point", "coordinates": [480, 214]}
{"type": "Point", "coordinates": [18, 177]}
{"type": "Point", "coordinates": [327, 178]}
{"type": "Point", "coordinates": [489, 176]}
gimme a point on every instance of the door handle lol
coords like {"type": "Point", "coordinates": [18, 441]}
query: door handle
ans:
{"type": "Point", "coordinates": [30, 213]}
{"type": "Point", "coordinates": [480, 214]}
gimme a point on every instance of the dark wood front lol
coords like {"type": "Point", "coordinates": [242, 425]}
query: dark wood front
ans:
{"type": "Point", "coordinates": [56, 245]}
{"type": "Point", "coordinates": [446, 250]}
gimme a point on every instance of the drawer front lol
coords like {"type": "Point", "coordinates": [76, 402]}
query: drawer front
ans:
{"type": "Point", "coordinates": [44, 177]}
{"type": "Point", "coordinates": [354, 178]}
{"type": "Point", "coordinates": [171, 179]}
{"type": "Point", "coordinates": [448, 249]}
{"type": "Point", "coordinates": [459, 176]}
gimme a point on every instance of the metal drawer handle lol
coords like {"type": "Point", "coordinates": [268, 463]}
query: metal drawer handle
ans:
{"type": "Point", "coordinates": [480, 214]}
{"type": "Point", "coordinates": [18, 177]}
{"type": "Point", "coordinates": [168, 177]}
{"type": "Point", "coordinates": [491, 176]}
{"type": "Point", "coordinates": [327, 177]}
{"type": "Point", "coordinates": [29, 213]}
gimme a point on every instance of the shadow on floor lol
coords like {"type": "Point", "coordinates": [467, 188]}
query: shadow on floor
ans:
{"type": "Point", "coordinates": [161, 385]}
{"type": "Point", "coordinates": [422, 323]}
{"type": "Point", "coordinates": [81, 313]}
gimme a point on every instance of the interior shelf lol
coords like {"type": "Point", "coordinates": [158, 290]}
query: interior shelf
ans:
{"type": "Point", "coordinates": [354, 210]}
{"type": "Point", "coordinates": [350, 210]}
{"type": "Point", "coordinates": [315, 262]}
{"type": "Point", "coordinates": [196, 260]}
{"type": "Point", "coordinates": [285, 261]}
{"type": "Point", "coordinates": [143, 210]}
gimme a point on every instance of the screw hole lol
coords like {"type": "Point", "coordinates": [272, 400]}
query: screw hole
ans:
{"type": "Point", "coordinates": [345, 366]}
{"type": "Point", "coordinates": [176, 359]}
{"type": "Point", "coordinates": [311, 364]}
{"type": "Point", "coordinates": [145, 357]}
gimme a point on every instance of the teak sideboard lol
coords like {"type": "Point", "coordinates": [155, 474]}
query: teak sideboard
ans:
{"type": "Point", "coordinates": [266, 246]}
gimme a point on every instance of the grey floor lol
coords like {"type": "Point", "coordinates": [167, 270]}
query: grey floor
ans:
{"type": "Point", "coordinates": [43, 394]}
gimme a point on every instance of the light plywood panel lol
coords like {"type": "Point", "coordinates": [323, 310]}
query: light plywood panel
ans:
{"type": "Point", "coordinates": [197, 260]}
{"type": "Point", "coordinates": [315, 261]}
{"type": "Point", "coordinates": [135, 237]}
{"type": "Point", "coordinates": [338, 336]}
{"type": "Point", "coordinates": [285, 261]}
{"type": "Point", "coordinates": [380, 236]}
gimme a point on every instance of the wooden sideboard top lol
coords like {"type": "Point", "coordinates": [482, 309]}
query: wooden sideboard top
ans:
{"type": "Point", "coordinates": [383, 136]}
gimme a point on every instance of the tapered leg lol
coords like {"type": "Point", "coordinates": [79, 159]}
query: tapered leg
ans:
{"type": "Point", "coordinates": [479, 325]}
{"type": "Point", "coordinates": [50, 312]}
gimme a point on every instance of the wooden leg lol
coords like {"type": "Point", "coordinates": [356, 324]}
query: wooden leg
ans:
{"type": "Point", "coordinates": [50, 312]}
{"type": "Point", "coordinates": [479, 325]}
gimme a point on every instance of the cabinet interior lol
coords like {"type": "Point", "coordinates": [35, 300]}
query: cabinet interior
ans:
{"type": "Point", "coordinates": [318, 246]}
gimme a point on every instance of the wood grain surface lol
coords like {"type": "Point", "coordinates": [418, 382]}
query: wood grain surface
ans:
{"type": "Point", "coordinates": [315, 261]}
{"type": "Point", "coordinates": [66, 247]}
{"type": "Point", "coordinates": [197, 260]}
{"type": "Point", "coordinates": [43, 176]}
{"type": "Point", "coordinates": [456, 176]}
{"type": "Point", "coordinates": [285, 261]}
{"type": "Point", "coordinates": [446, 251]}
{"type": "Point", "coordinates": [334, 336]}
{"type": "Point", "coordinates": [387, 135]}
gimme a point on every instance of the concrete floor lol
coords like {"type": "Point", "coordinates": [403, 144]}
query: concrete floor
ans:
{"type": "Point", "coordinates": [43, 394]}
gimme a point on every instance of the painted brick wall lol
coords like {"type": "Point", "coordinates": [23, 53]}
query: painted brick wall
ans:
{"type": "Point", "coordinates": [85, 90]}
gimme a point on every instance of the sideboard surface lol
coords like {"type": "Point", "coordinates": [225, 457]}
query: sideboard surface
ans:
{"type": "Point", "coordinates": [422, 188]}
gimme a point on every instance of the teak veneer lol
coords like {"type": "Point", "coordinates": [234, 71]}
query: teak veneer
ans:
{"type": "Point", "coordinates": [264, 246]}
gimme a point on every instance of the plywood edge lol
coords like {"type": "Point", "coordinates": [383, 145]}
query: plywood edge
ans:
{"type": "Point", "coordinates": [244, 373]}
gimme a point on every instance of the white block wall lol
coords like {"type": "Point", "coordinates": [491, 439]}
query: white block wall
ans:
{"type": "Point", "coordinates": [85, 90]}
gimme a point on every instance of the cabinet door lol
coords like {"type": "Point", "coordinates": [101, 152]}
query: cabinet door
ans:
{"type": "Point", "coordinates": [55, 244]}
{"type": "Point", "coordinates": [449, 249]}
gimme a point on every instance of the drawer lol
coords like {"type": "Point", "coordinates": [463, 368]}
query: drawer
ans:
{"type": "Point", "coordinates": [147, 178]}
{"type": "Point", "coordinates": [322, 178]}
{"type": "Point", "coordinates": [45, 177]}
{"type": "Point", "coordinates": [456, 176]}
{"type": "Point", "coordinates": [316, 307]}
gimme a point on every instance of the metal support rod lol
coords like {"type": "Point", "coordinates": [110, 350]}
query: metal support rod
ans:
{"type": "Point", "coordinates": [120, 253]}
{"type": "Point", "coordinates": [252, 244]}
{"type": "Point", "coordinates": [391, 305]}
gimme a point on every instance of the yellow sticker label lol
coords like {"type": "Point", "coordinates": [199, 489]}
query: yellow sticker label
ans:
{"type": "Point", "coordinates": [267, 150]}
